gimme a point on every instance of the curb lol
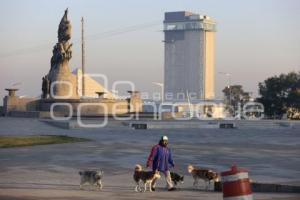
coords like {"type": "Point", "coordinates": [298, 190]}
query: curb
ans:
{"type": "Point", "coordinates": [266, 187]}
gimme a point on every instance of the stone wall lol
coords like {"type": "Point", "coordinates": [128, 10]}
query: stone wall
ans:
{"type": "Point", "coordinates": [90, 107]}
{"type": "Point", "coordinates": [16, 103]}
{"type": "Point", "coordinates": [66, 107]}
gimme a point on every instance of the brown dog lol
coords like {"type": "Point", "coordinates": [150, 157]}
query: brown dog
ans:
{"type": "Point", "coordinates": [146, 176]}
{"type": "Point", "coordinates": [205, 174]}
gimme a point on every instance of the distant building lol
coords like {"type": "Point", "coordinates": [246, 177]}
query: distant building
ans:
{"type": "Point", "coordinates": [189, 56]}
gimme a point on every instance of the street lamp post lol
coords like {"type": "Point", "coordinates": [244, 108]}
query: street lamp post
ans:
{"type": "Point", "coordinates": [229, 84]}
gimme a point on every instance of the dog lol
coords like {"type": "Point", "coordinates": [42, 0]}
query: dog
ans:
{"type": "Point", "coordinates": [144, 176]}
{"type": "Point", "coordinates": [91, 177]}
{"type": "Point", "coordinates": [205, 174]}
{"type": "Point", "coordinates": [176, 178]}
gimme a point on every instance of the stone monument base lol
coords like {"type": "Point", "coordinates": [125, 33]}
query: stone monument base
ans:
{"type": "Point", "coordinates": [87, 107]}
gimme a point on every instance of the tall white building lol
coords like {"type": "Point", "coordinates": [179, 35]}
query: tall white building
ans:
{"type": "Point", "coordinates": [189, 56]}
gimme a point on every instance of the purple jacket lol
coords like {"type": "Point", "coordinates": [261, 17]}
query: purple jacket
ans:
{"type": "Point", "coordinates": [161, 158]}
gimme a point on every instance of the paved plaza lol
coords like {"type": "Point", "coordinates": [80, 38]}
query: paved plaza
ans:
{"type": "Point", "coordinates": [51, 171]}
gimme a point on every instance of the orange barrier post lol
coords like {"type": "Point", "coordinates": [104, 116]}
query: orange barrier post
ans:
{"type": "Point", "coordinates": [236, 184]}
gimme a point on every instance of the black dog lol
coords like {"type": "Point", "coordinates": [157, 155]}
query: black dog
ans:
{"type": "Point", "coordinates": [176, 178]}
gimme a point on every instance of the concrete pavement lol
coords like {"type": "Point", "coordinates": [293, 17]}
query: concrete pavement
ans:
{"type": "Point", "coordinates": [51, 171]}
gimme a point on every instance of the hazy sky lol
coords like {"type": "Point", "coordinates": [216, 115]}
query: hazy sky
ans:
{"type": "Point", "coordinates": [255, 39]}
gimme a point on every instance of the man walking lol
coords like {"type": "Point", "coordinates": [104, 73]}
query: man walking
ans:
{"type": "Point", "coordinates": [161, 159]}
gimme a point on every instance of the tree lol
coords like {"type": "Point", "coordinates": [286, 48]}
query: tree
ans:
{"type": "Point", "coordinates": [280, 94]}
{"type": "Point", "coordinates": [234, 95]}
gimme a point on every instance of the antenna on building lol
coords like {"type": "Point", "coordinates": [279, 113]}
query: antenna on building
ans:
{"type": "Point", "coordinates": [82, 58]}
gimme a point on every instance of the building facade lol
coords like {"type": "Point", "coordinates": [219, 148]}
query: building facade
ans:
{"type": "Point", "coordinates": [189, 56]}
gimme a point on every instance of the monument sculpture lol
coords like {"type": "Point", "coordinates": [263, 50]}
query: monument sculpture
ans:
{"type": "Point", "coordinates": [45, 87]}
{"type": "Point", "coordinates": [62, 83]}
{"type": "Point", "coordinates": [60, 89]}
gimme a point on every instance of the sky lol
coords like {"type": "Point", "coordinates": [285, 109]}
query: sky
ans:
{"type": "Point", "coordinates": [255, 39]}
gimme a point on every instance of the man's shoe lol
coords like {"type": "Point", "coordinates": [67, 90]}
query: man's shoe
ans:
{"type": "Point", "coordinates": [153, 189]}
{"type": "Point", "coordinates": [172, 189]}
